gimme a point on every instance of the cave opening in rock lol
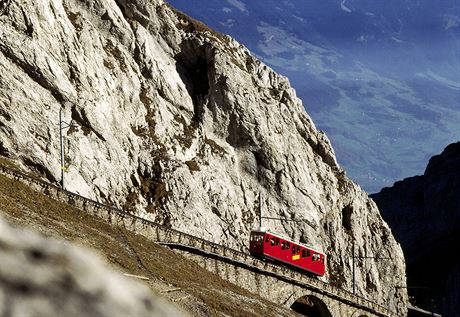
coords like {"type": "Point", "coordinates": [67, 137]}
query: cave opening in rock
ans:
{"type": "Point", "coordinates": [311, 306]}
{"type": "Point", "coordinates": [347, 211]}
{"type": "Point", "coordinates": [193, 67]}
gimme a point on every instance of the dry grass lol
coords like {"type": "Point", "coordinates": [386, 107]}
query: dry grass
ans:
{"type": "Point", "coordinates": [190, 25]}
{"type": "Point", "coordinates": [130, 253]}
{"type": "Point", "coordinates": [8, 163]}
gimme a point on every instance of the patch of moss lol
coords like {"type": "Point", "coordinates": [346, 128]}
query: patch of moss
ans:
{"type": "Point", "coordinates": [187, 137]}
{"type": "Point", "coordinates": [144, 98]}
{"type": "Point", "coordinates": [74, 18]}
{"type": "Point", "coordinates": [160, 191]}
{"type": "Point", "coordinates": [193, 166]}
{"type": "Point", "coordinates": [250, 63]}
{"type": "Point", "coordinates": [108, 64]}
{"type": "Point", "coordinates": [131, 201]}
{"type": "Point", "coordinates": [140, 131]}
{"type": "Point", "coordinates": [215, 148]}
{"type": "Point", "coordinates": [153, 189]}
{"type": "Point", "coordinates": [114, 51]}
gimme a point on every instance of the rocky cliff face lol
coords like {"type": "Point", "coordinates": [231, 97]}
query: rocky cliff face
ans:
{"type": "Point", "coordinates": [183, 126]}
{"type": "Point", "coordinates": [424, 213]}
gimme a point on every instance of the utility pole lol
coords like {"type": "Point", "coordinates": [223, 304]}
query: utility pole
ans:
{"type": "Point", "coordinates": [361, 257]}
{"type": "Point", "coordinates": [353, 257]}
{"type": "Point", "coordinates": [61, 141]}
{"type": "Point", "coordinates": [62, 125]}
{"type": "Point", "coordinates": [260, 210]}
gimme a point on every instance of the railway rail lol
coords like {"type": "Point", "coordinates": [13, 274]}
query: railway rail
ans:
{"type": "Point", "coordinates": [176, 239]}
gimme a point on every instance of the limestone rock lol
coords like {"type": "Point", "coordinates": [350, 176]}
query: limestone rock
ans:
{"type": "Point", "coordinates": [45, 277]}
{"type": "Point", "coordinates": [424, 213]}
{"type": "Point", "coordinates": [183, 126]}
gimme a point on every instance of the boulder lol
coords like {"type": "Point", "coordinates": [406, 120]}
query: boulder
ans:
{"type": "Point", "coordinates": [46, 277]}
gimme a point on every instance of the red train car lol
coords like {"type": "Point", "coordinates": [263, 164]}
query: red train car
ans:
{"type": "Point", "coordinates": [273, 246]}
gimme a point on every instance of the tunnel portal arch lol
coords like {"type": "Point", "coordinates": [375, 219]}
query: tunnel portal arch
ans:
{"type": "Point", "coordinates": [311, 306]}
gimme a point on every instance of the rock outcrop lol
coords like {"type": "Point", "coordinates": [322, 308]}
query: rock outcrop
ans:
{"type": "Point", "coordinates": [183, 126]}
{"type": "Point", "coordinates": [424, 214]}
{"type": "Point", "coordinates": [45, 277]}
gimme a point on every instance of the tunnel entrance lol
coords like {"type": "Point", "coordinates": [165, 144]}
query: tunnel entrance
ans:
{"type": "Point", "coordinates": [311, 306]}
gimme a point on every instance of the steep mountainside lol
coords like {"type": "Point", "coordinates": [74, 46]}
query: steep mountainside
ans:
{"type": "Point", "coordinates": [424, 214]}
{"type": "Point", "coordinates": [380, 77]}
{"type": "Point", "coordinates": [183, 126]}
{"type": "Point", "coordinates": [170, 275]}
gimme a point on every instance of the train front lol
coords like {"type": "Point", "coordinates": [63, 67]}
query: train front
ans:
{"type": "Point", "coordinates": [256, 242]}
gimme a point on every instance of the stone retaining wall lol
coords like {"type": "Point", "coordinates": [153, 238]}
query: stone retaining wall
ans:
{"type": "Point", "coordinates": [260, 277]}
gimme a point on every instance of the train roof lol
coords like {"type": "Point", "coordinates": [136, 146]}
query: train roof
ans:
{"type": "Point", "coordinates": [263, 230]}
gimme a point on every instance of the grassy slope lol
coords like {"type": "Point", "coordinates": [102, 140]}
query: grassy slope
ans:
{"type": "Point", "coordinates": [201, 292]}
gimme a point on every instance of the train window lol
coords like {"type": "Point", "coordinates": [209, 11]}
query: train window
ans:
{"type": "Point", "coordinates": [288, 246]}
{"type": "Point", "coordinates": [283, 245]}
{"type": "Point", "coordinates": [267, 238]}
{"type": "Point", "coordinates": [272, 241]}
{"type": "Point", "coordinates": [315, 257]}
{"type": "Point", "coordinates": [304, 253]}
{"type": "Point", "coordinates": [322, 259]}
{"type": "Point", "coordinates": [277, 241]}
{"type": "Point", "coordinates": [308, 253]}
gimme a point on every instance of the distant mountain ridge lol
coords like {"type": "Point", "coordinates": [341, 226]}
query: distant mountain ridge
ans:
{"type": "Point", "coordinates": [424, 214]}
{"type": "Point", "coordinates": [381, 78]}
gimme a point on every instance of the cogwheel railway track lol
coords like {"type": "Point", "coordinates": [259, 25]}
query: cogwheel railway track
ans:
{"type": "Point", "coordinates": [179, 240]}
